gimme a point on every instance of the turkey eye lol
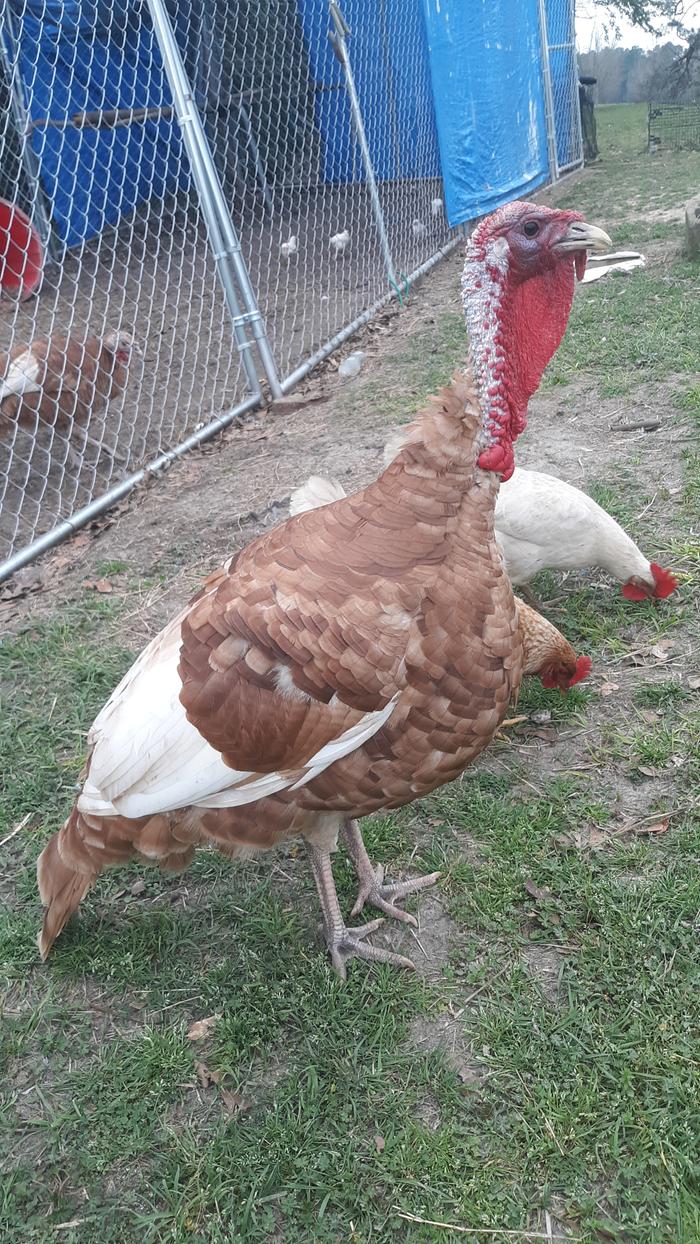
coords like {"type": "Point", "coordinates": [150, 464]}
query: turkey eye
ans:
{"type": "Point", "coordinates": [531, 228]}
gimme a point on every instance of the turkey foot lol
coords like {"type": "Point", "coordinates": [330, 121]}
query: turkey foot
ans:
{"type": "Point", "coordinates": [344, 943]}
{"type": "Point", "coordinates": [372, 889]}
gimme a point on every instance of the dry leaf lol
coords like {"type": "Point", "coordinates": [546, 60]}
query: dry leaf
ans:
{"type": "Point", "coordinates": [607, 688]}
{"type": "Point", "coordinates": [202, 1027]}
{"type": "Point", "coordinates": [234, 1102]}
{"type": "Point", "coordinates": [694, 682]}
{"type": "Point", "coordinates": [541, 717]}
{"type": "Point", "coordinates": [591, 837]}
{"type": "Point", "coordinates": [649, 715]}
{"type": "Point", "coordinates": [660, 650]}
{"type": "Point", "coordinates": [648, 771]}
{"type": "Point", "coordinates": [656, 827]}
{"type": "Point", "coordinates": [536, 892]}
{"type": "Point", "coordinates": [139, 887]}
{"type": "Point", "coordinates": [103, 585]}
{"type": "Point", "coordinates": [205, 1076]}
{"type": "Point", "coordinates": [379, 1144]}
{"type": "Point", "coordinates": [28, 579]}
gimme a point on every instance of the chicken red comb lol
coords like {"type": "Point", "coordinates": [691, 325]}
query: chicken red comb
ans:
{"type": "Point", "coordinates": [21, 252]}
{"type": "Point", "coordinates": [664, 584]}
{"type": "Point", "coordinates": [665, 581]}
{"type": "Point", "coordinates": [583, 669]}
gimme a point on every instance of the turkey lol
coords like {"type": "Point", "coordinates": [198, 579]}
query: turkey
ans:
{"type": "Point", "coordinates": [542, 523]}
{"type": "Point", "coordinates": [546, 652]}
{"type": "Point", "coordinates": [60, 380]}
{"type": "Point", "coordinates": [353, 658]}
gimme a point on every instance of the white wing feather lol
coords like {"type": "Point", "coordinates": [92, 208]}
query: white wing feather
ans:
{"type": "Point", "coordinates": [21, 376]}
{"type": "Point", "coordinates": [148, 758]}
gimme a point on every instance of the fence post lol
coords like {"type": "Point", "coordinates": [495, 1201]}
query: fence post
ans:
{"type": "Point", "coordinates": [548, 93]}
{"type": "Point", "coordinates": [222, 234]}
{"type": "Point", "coordinates": [338, 38]}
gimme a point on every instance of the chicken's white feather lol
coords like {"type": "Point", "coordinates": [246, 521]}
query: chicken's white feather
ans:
{"type": "Point", "coordinates": [315, 492]}
{"type": "Point", "coordinates": [543, 522]}
{"type": "Point", "coordinates": [21, 376]}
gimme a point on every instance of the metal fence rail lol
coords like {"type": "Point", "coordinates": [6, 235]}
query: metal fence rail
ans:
{"type": "Point", "coordinates": [223, 193]}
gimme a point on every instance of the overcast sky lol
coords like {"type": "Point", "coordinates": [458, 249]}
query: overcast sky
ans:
{"type": "Point", "coordinates": [591, 27]}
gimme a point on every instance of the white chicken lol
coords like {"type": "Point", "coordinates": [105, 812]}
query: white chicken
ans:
{"type": "Point", "coordinates": [542, 523]}
{"type": "Point", "coordinates": [289, 248]}
{"type": "Point", "coordinates": [418, 229]}
{"type": "Point", "coordinates": [340, 241]}
{"type": "Point", "coordinates": [436, 208]}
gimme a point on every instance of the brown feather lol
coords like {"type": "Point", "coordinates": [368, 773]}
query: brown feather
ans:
{"type": "Point", "coordinates": [397, 591]}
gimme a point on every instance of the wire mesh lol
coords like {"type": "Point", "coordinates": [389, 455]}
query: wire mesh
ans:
{"type": "Point", "coordinates": [318, 166]}
{"type": "Point", "coordinates": [674, 127]}
{"type": "Point", "coordinates": [287, 152]}
{"type": "Point", "coordinates": [561, 48]}
{"type": "Point", "coordinates": [126, 347]}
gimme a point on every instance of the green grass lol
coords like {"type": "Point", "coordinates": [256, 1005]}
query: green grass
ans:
{"type": "Point", "coordinates": [564, 988]}
{"type": "Point", "coordinates": [432, 350]}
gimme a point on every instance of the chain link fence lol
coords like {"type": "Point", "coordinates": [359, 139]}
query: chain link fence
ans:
{"type": "Point", "coordinates": [557, 19]}
{"type": "Point", "coordinates": [222, 192]}
{"type": "Point", "coordinates": [674, 127]}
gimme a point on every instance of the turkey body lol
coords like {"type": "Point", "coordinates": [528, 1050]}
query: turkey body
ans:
{"type": "Point", "coordinates": [335, 667]}
{"type": "Point", "coordinates": [357, 656]}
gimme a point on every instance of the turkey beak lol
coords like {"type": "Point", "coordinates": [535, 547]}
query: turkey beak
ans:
{"type": "Point", "coordinates": [580, 236]}
{"type": "Point", "coordinates": [579, 239]}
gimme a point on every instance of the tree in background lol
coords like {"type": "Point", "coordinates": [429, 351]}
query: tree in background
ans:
{"type": "Point", "coordinates": [669, 71]}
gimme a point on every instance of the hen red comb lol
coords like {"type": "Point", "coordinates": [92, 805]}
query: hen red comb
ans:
{"type": "Point", "coordinates": [583, 669]}
{"type": "Point", "coordinates": [664, 584]}
{"type": "Point", "coordinates": [665, 581]}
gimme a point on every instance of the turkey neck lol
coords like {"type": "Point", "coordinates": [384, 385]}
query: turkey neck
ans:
{"type": "Point", "coordinates": [434, 478]}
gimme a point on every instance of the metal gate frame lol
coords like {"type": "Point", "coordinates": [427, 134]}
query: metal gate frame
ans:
{"type": "Point", "coordinates": [558, 170]}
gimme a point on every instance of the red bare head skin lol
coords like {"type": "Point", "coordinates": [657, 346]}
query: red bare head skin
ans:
{"type": "Point", "coordinates": [562, 675]}
{"type": "Point", "coordinates": [664, 584]}
{"type": "Point", "coordinates": [518, 286]}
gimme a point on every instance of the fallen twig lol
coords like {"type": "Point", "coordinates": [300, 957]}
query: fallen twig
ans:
{"type": "Point", "coordinates": [14, 832]}
{"type": "Point", "coordinates": [500, 1231]}
{"type": "Point", "coordinates": [649, 425]}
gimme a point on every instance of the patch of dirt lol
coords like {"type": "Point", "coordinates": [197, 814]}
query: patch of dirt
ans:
{"type": "Point", "coordinates": [445, 1033]}
{"type": "Point", "coordinates": [427, 1111]}
{"type": "Point", "coordinates": [430, 945]}
{"type": "Point", "coordinates": [544, 965]}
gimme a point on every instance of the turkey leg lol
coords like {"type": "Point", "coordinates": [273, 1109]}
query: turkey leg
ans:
{"type": "Point", "coordinates": [344, 943]}
{"type": "Point", "coordinates": [372, 888]}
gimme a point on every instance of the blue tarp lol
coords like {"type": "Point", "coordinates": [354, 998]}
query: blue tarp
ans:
{"type": "Point", "coordinates": [486, 66]}
{"type": "Point", "coordinates": [391, 86]}
{"type": "Point", "coordinates": [479, 60]}
{"type": "Point", "coordinates": [71, 61]}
